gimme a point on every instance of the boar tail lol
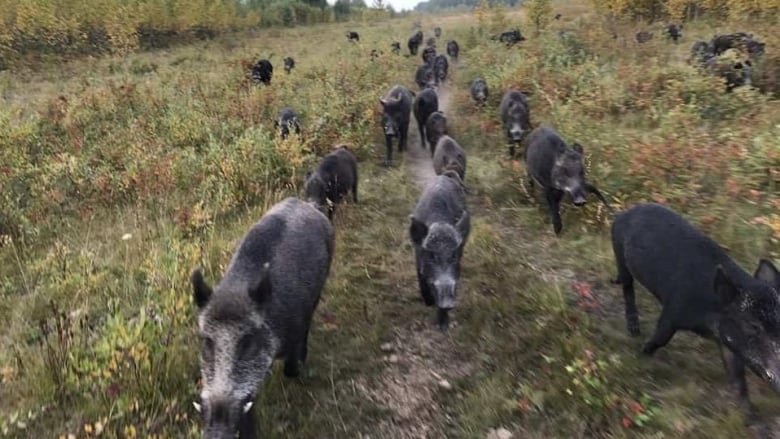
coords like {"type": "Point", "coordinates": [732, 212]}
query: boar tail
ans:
{"type": "Point", "coordinates": [592, 189]}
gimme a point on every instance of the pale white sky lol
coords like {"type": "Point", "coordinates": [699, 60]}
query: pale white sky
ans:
{"type": "Point", "coordinates": [397, 4]}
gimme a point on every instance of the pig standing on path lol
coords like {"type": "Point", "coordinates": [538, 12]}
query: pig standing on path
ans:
{"type": "Point", "coordinates": [558, 169]}
{"type": "Point", "coordinates": [260, 310]}
{"type": "Point", "coordinates": [479, 91]}
{"type": "Point", "coordinates": [448, 155]}
{"type": "Point", "coordinates": [396, 110]}
{"type": "Point", "coordinates": [516, 118]}
{"type": "Point", "coordinates": [701, 289]}
{"type": "Point", "coordinates": [435, 127]}
{"type": "Point", "coordinates": [439, 228]}
{"type": "Point", "coordinates": [335, 176]}
{"type": "Point", "coordinates": [425, 104]}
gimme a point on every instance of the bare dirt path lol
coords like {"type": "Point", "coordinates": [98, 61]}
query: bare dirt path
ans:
{"type": "Point", "coordinates": [421, 361]}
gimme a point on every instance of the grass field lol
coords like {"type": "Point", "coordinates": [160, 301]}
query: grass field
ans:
{"type": "Point", "coordinates": [120, 175]}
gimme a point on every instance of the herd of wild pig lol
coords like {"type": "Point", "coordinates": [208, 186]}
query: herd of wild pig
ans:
{"type": "Point", "coordinates": [261, 309]}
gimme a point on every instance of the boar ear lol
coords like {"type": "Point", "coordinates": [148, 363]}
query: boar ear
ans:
{"type": "Point", "coordinates": [577, 147]}
{"type": "Point", "coordinates": [463, 225]}
{"type": "Point", "coordinates": [724, 288]}
{"type": "Point", "coordinates": [383, 102]}
{"type": "Point", "coordinates": [417, 230]}
{"type": "Point", "coordinates": [261, 291]}
{"type": "Point", "coordinates": [201, 292]}
{"type": "Point", "coordinates": [767, 272]}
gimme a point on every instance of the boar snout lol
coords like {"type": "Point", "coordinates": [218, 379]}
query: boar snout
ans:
{"type": "Point", "coordinates": [445, 293]}
{"type": "Point", "coordinates": [516, 133]}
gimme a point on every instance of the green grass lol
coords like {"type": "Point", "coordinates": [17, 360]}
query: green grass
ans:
{"type": "Point", "coordinates": [172, 148]}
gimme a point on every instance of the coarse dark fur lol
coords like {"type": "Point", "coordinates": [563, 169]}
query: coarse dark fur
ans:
{"type": "Point", "coordinates": [479, 91]}
{"type": "Point", "coordinates": [453, 49]}
{"type": "Point", "coordinates": [701, 289]}
{"type": "Point", "coordinates": [425, 104]}
{"type": "Point", "coordinates": [516, 118]}
{"type": "Point", "coordinates": [396, 112]}
{"type": "Point", "coordinates": [435, 127]}
{"type": "Point", "coordinates": [335, 176]}
{"type": "Point", "coordinates": [414, 42]}
{"type": "Point", "coordinates": [439, 229]}
{"type": "Point", "coordinates": [263, 71]}
{"type": "Point", "coordinates": [260, 310]}
{"type": "Point", "coordinates": [448, 155]}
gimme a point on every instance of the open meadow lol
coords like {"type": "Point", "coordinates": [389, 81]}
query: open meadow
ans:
{"type": "Point", "coordinates": [120, 174]}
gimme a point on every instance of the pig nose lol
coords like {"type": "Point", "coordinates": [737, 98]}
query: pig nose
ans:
{"type": "Point", "coordinates": [446, 293]}
{"type": "Point", "coordinates": [579, 201]}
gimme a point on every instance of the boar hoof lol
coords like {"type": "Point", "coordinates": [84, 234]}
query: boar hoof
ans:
{"type": "Point", "coordinates": [557, 227]}
{"type": "Point", "coordinates": [443, 320]}
{"type": "Point", "coordinates": [633, 329]}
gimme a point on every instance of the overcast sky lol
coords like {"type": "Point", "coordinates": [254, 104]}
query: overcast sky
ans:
{"type": "Point", "coordinates": [397, 4]}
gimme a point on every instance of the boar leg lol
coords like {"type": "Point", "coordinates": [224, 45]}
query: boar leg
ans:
{"type": "Point", "coordinates": [443, 319]}
{"type": "Point", "coordinates": [403, 137]}
{"type": "Point", "coordinates": [246, 426]}
{"type": "Point", "coordinates": [421, 126]}
{"type": "Point", "coordinates": [425, 289]}
{"type": "Point", "coordinates": [511, 150]}
{"type": "Point", "coordinates": [554, 197]}
{"type": "Point", "coordinates": [292, 363]}
{"type": "Point", "coordinates": [629, 296]}
{"type": "Point", "coordinates": [664, 331]}
{"type": "Point", "coordinates": [354, 190]}
{"type": "Point", "coordinates": [735, 368]}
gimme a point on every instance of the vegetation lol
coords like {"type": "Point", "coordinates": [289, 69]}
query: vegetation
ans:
{"type": "Point", "coordinates": [120, 174]}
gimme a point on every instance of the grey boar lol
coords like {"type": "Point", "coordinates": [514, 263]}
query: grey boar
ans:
{"type": "Point", "coordinates": [414, 42]}
{"type": "Point", "coordinates": [437, 32]}
{"type": "Point", "coordinates": [479, 91]}
{"type": "Point", "coordinates": [448, 155]}
{"type": "Point", "coordinates": [335, 176]}
{"type": "Point", "coordinates": [453, 49]}
{"type": "Point", "coordinates": [425, 77]}
{"type": "Point", "coordinates": [435, 127]}
{"type": "Point", "coordinates": [701, 52]}
{"type": "Point", "coordinates": [439, 229]}
{"type": "Point", "coordinates": [431, 42]}
{"type": "Point", "coordinates": [353, 36]}
{"type": "Point", "coordinates": [515, 116]}
{"type": "Point", "coordinates": [396, 111]}
{"type": "Point", "coordinates": [286, 121]}
{"type": "Point", "coordinates": [261, 310]}
{"type": "Point", "coordinates": [440, 67]}
{"type": "Point", "coordinates": [558, 169]}
{"type": "Point", "coordinates": [428, 55]}
{"type": "Point", "coordinates": [736, 74]}
{"type": "Point", "coordinates": [289, 64]}
{"type": "Point", "coordinates": [701, 289]}
{"type": "Point", "coordinates": [643, 36]}
{"type": "Point", "coordinates": [425, 103]}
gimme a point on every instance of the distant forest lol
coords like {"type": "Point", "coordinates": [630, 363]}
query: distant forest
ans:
{"type": "Point", "coordinates": [438, 5]}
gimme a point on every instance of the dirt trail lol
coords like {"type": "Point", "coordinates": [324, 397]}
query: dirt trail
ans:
{"type": "Point", "coordinates": [422, 360]}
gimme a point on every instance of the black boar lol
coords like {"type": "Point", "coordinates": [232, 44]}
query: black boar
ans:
{"type": "Point", "coordinates": [431, 42]}
{"type": "Point", "coordinates": [395, 47]}
{"type": "Point", "coordinates": [260, 310]}
{"type": "Point", "coordinates": [286, 121]}
{"type": "Point", "coordinates": [439, 229]}
{"type": "Point", "coordinates": [511, 37]}
{"type": "Point", "coordinates": [353, 36]}
{"type": "Point", "coordinates": [263, 71]}
{"type": "Point", "coordinates": [437, 32]}
{"type": "Point", "coordinates": [701, 52]}
{"type": "Point", "coordinates": [453, 49]}
{"type": "Point", "coordinates": [722, 43]}
{"type": "Point", "coordinates": [425, 103]}
{"type": "Point", "coordinates": [425, 77]}
{"type": "Point", "coordinates": [701, 289]}
{"type": "Point", "coordinates": [674, 32]}
{"type": "Point", "coordinates": [479, 91]}
{"type": "Point", "coordinates": [558, 169]}
{"type": "Point", "coordinates": [396, 111]}
{"type": "Point", "coordinates": [289, 64]}
{"type": "Point", "coordinates": [335, 176]}
{"type": "Point", "coordinates": [435, 127]}
{"type": "Point", "coordinates": [516, 118]}
{"type": "Point", "coordinates": [440, 67]}
{"type": "Point", "coordinates": [558, 16]}
{"type": "Point", "coordinates": [448, 155]}
{"type": "Point", "coordinates": [414, 42]}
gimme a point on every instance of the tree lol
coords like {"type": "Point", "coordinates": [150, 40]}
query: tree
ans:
{"type": "Point", "coordinates": [540, 13]}
{"type": "Point", "coordinates": [378, 4]}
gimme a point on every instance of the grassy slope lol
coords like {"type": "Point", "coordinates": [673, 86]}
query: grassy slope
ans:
{"type": "Point", "coordinates": [518, 326]}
